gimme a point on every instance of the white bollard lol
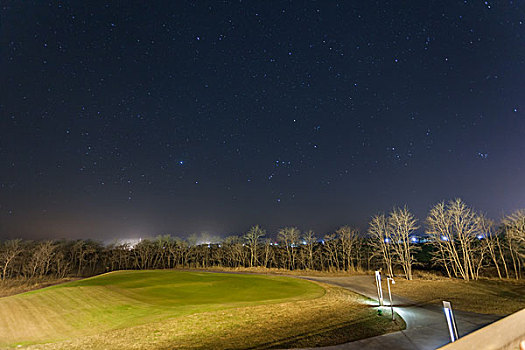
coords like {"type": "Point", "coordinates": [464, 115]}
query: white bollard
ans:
{"type": "Point", "coordinates": [379, 288]}
{"type": "Point", "coordinates": [388, 279]}
{"type": "Point", "coordinates": [451, 321]}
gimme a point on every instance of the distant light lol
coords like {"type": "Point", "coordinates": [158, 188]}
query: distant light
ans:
{"type": "Point", "coordinates": [444, 238]}
{"type": "Point", "coordinates": [483, 155]}
{"type": "Point", "coordinates": [129, 242]}
{"type": "Point", "coordinates": [413, 239]}
{"type": "Point", "coordinates": [480, 236]}
{"type": "Point", "coordinates": [387, 240]}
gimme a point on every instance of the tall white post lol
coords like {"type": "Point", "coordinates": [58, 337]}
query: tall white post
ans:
{"type": "Point", "coordinates": [388, 279]}
{"type": "Point", "coordinates": [379, 288]}
{"type": "Point", "coordinates": [451, 321]}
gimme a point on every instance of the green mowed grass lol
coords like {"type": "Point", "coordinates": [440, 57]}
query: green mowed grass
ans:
{"type": "Point", "coordinates": [124, 299]}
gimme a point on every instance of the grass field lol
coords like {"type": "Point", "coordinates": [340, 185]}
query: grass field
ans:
{"type": "Point", "coordinates": [489, 296]}
{"type": "Point", "coordinates": [16, 286]}
{"type": "Point", "coordinates": [177, 309]}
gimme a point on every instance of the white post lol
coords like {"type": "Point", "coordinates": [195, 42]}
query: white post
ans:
{"type": "Point", "coordinates": [388, 279]}
{"type": "Point", "coordinates": [451, 321]}
{"type": "Point", "coordinates": [379, 288]}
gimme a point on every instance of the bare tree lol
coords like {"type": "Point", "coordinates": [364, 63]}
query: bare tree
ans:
{"type": "Point", "coordinates": [235, 251]}
{"type": "Point", "coordinates": [466, 225]}
{"type": "Point", "coordinates": [440, 232]}
{"type": "Point", "coordinates": [401, 225]}
{"type": "Point", "coordinates": [161, 251]}
{"type": "Point", "coordinates": [331, 245]}
{"type": "Point", "coordinates": [79, 254]}
{"type": "Point", "coordinates": [492, 243]}
{"type": "Point", "coordinates": [289, 236]}
{"type": "Point", "coordinates": [10, 250]}
{"type": "Point", "coordinates": [380, 240]}
{"type": "Point", "coordinates": [62, 262]}
{"type": "Point", "coordinates": [267, 252]}
{"type": "Point", "coordinates": [144, 253]}
{"type": "Point", "coordinates": [349, 238]}
{"type": "Point", "coordinates": [40, 260]}
{"type": "Point", "coordinates": [514, 226]}
{"type": "Point", "coordinates": [453, 229]}
{"type": "Point", "coordinates": [310, 240]}
{"type": "Point", "coordinates": [252, 238]}
{"type": "Point", "coordinates": [92, 254]}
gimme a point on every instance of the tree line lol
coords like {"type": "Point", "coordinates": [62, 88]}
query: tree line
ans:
{"type": "Point", "coordinates": [454, 239]}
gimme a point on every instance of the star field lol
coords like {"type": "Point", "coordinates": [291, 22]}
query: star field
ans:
{"type": "Point", "coordinates": [138, 118]}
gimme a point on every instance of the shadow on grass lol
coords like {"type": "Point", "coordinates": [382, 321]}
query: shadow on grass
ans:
{"type": "Point", "coordinates": [343, 332]}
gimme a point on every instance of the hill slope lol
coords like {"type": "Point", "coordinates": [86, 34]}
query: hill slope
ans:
{"type": "Point", "coordinates": [186, 310]}
{"type": "Point", "coordinates": [129, 298]}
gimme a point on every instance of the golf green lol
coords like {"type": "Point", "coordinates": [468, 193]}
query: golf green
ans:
{"type": "Point", "coordinates": [129, 298]}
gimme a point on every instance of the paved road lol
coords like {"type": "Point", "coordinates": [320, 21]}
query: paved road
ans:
{"type": "Point", "coordinates": [426, 324]}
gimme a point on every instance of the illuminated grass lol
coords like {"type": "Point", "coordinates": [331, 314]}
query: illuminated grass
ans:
{"type": "Point", "coordinates": [176, 309]}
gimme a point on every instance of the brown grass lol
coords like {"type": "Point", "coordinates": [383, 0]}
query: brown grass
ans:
{"type": "Point", "coordinates": [286, 272]}
{"type": "Point", "coordinates": [337, 317]}
{"type": "Point", "coordinates": [489, 296]}
{"type": "Point", "coordinates": [17, 286]}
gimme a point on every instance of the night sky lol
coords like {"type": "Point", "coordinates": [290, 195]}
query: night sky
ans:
{"type": "Point", "coordinates": [138, 118]}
